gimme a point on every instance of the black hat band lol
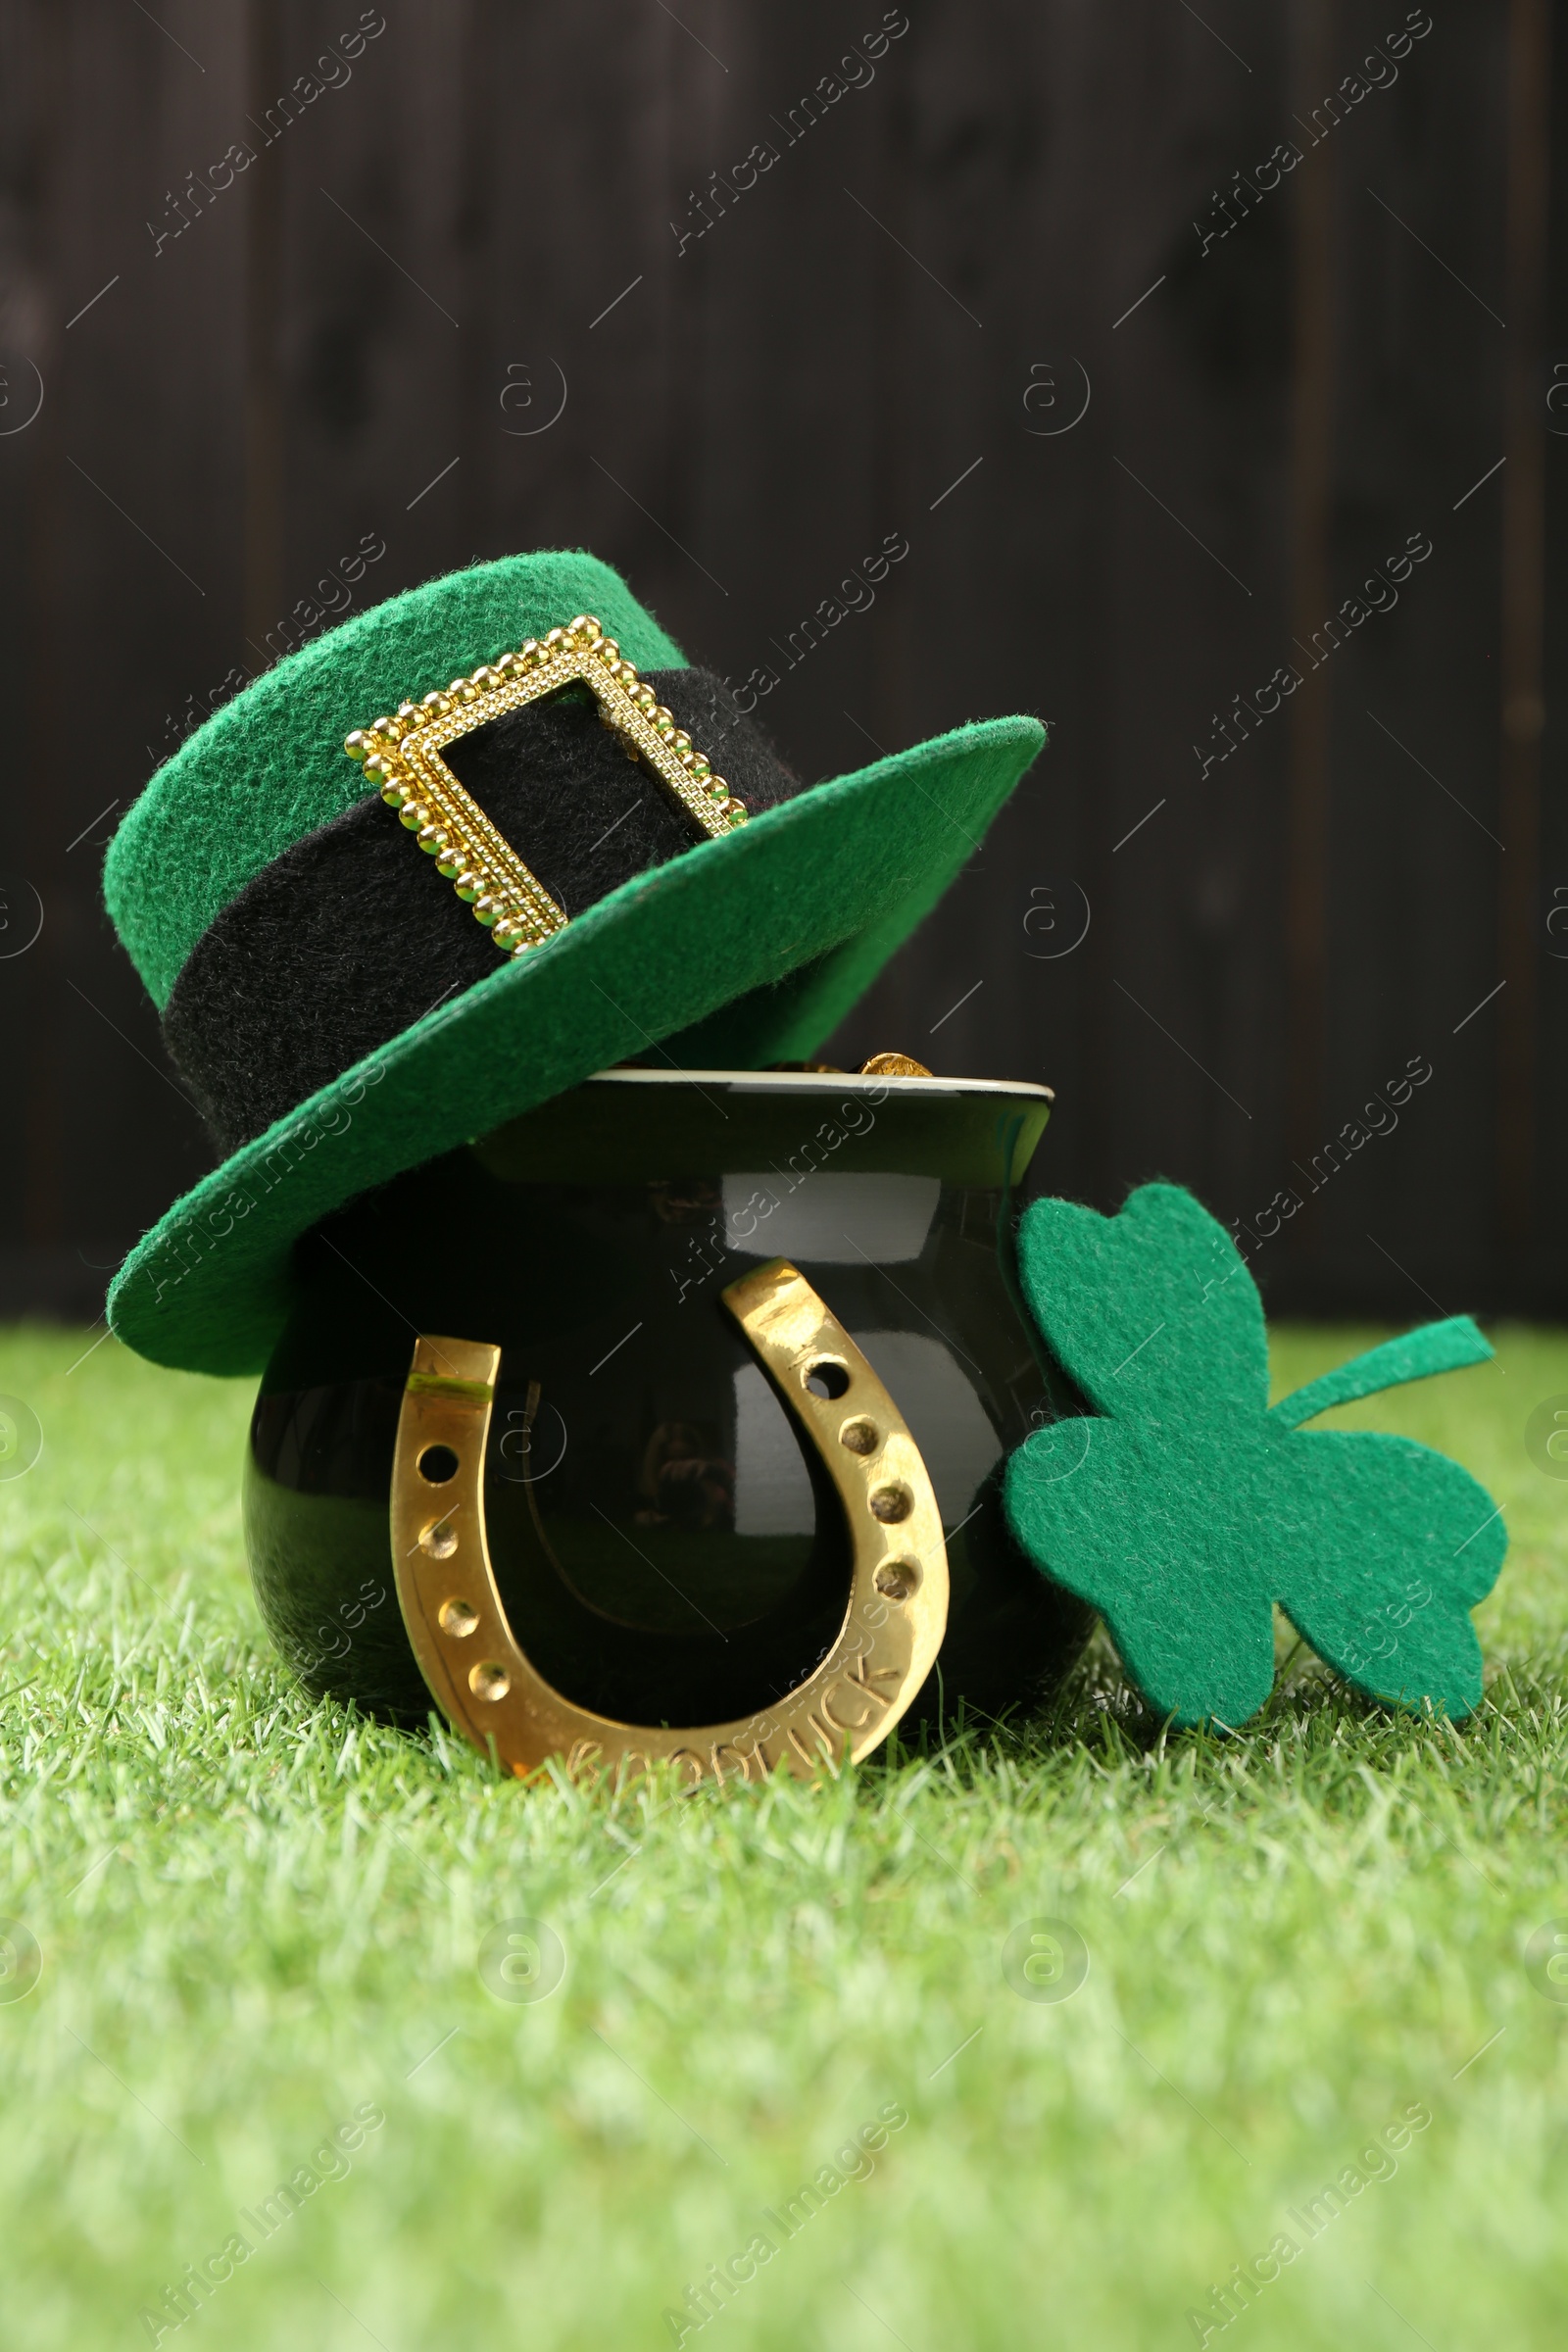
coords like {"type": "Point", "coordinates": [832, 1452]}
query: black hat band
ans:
{"type": "Point", "coordinates": [350, 937]}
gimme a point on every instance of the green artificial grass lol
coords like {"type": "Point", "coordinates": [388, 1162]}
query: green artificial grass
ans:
{"type": "Point", "coordinates": [260, 1919]}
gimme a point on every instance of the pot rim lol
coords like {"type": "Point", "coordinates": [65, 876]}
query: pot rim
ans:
{"type": "Point", "coordinates": [831, 1082]}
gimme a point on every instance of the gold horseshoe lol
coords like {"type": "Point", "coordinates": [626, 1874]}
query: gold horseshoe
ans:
{"type": "Point", "coordinates": [893, 1624]}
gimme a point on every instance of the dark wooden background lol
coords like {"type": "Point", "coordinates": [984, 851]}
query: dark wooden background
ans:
{"type": "Point", "coordinates": [371, 330]}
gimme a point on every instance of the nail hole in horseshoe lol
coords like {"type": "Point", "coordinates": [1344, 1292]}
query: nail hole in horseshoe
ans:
{"type": "Point", "coordinates": [489, 1680]}
{"type": "Point", "coordinates": [827, 1378]}
{"type": "Point", "coordinates": [897, 1579]}
{"type": "Point", "coordinates": [459, 1618]}
{"type": "Point", "coordinates": [859, 1435]}
{"type": "Point", "coordinates": [890, 1504]}
{"type": "Point", "coordinates": [439, 1538]}
{"type": "Point", "coordinates": [438, 1463]}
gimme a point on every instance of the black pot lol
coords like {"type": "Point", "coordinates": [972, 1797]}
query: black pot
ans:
{"type": "Point", "coordinates": [668, 1552]}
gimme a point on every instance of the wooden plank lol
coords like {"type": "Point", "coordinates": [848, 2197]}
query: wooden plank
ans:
{"type": "Point", "coordinates": [1413, 823]}
{"type": "Point", "coordinates": [1523, 701]}
{"type": "Point", "coordinates": [1314, 191]}
{"type": "Point", "coordinates": [129, 589]}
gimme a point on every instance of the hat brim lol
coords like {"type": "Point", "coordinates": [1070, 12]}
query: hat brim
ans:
{"type": "Point", "coordinates": [759, 942]}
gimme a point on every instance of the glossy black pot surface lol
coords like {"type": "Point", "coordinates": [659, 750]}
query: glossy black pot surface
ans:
{"type": "Point", "coordinates": [668, 1550]}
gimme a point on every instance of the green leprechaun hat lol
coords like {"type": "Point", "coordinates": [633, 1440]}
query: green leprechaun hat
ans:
{"type": "Point", "coordinates": [327, 997]}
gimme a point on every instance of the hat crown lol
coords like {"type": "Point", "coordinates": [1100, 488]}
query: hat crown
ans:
{"type": "Point", "coordinates": [267, 767]}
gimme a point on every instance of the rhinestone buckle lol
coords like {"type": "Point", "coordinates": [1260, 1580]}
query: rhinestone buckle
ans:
{"type": "Point", "coordinates": [402, 757]}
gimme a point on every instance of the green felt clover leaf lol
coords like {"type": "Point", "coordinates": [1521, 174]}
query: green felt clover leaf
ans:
{"type": "Point", "coordinates": [1182, 1507]}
